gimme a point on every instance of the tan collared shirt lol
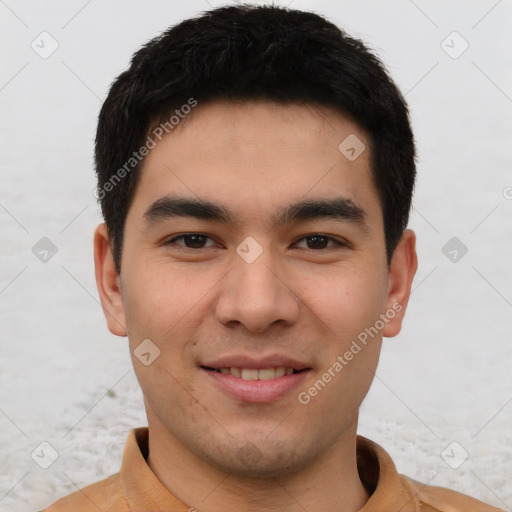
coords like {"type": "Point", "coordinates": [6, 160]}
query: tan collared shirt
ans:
{"type": "Point", "coordinates": [137, 489]}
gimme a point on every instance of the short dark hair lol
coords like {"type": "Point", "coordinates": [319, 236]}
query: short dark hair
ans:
{"type": "Point", "coordinates": [247, 53]}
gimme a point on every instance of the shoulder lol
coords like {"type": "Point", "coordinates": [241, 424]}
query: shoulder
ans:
{"type": "Point", "coordinates": [440, 499]}
{"type": "Point", "coordinates": [106, 495]}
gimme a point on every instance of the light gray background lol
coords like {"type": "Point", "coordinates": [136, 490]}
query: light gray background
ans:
{"type": "Point", "coordinates": [66, 380]}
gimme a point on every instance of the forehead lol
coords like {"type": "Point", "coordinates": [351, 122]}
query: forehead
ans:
{"type": "Point", "coordinates": [257, 156]}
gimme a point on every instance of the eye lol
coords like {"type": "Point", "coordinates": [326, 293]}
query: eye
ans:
{"type": "Point", "coordinates": [191, 240]}
{"type": "Point", "coordinates": [318, 241]}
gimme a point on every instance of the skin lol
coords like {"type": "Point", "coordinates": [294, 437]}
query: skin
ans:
{"type": "Point", "coordinates": [203, 302]}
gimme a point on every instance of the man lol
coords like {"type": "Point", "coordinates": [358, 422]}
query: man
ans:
{"type": "Point", "coordinates": [255, 171]}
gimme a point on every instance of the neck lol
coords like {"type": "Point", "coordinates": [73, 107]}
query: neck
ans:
{"type": "Point", "coordinates": [330, 483]}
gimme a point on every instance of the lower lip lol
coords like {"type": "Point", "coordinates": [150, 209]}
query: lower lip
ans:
{"type": "Point", "coordinates": [257, 390]}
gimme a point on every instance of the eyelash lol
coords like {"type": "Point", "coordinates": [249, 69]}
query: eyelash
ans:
{"type": "Point", "coordinates": [337, 242]}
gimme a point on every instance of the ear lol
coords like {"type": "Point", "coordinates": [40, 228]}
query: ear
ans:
{"type": "Point", "coordinates": [108, 282]}
{"type": "Point", "coordinates": [402, 269]}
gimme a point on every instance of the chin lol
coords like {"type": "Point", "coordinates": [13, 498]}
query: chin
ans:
{"type": "Point", "coordinates": [252, 462]}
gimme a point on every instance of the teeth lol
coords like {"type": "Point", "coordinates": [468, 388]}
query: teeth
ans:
{"type": "Point", "coordinates": [265, 374]}
{"type": "Point", "coordinates": [250, 373]}
{"type": "Point", "coordinates": [258, 374]}
{"type": "Point", "coordinates": [280, 371]}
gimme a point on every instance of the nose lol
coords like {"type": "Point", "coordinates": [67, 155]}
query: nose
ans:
{"type": "Point", "coordinates": [257, 294]}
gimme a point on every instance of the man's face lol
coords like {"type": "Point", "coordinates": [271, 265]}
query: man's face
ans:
{"type": "Point", "coordinates": [280, 298]}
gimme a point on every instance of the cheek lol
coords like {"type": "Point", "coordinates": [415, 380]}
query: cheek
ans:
{"type": "Point", "coordinates": [346, 301]}
{"type": "Point", "coordinates": [157, 298]}
{"type": "Point", "coordinates": [166, 305]}
{"type": "Point", "coordinates": [159, 306]}
{"type": "Point", "coordinates": [349, 304]}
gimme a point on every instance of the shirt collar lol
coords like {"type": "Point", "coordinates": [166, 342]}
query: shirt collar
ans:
{"type": "Point", "coordinates": [389, 492]}
{"type": "Point", "coordinates": [377, 471]}
{"type": "Point", "coordinates": [141, 486]}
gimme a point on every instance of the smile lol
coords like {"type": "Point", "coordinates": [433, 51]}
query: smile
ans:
{"type": "Point", "coordinates": [257, 384]}
{"type": "Point", "coordinates": [256, 373]}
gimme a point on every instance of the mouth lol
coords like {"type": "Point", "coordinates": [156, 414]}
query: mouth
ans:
{"type": "Point", "coordinates": [256, 373]}
{"type": "Point", "coordinates": [256, 385]}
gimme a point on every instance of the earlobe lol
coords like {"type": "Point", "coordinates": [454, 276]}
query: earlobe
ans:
{"type": "Point", "coordinates": [108, 282]}
{"type": "Point", "coordinates": [402, 269]}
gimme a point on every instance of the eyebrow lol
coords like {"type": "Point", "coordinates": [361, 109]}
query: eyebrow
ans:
{"type": "Point", "coordinates": [338, 208]}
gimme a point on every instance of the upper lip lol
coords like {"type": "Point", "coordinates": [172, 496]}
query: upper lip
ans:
{"type": "Point", "coordinates": [245, 361]}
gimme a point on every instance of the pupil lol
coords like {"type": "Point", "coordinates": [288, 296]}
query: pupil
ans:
{"type": "Point", "coordinates": [315, 239]}
{"type": "Point", "coordinates": [197, 241]}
